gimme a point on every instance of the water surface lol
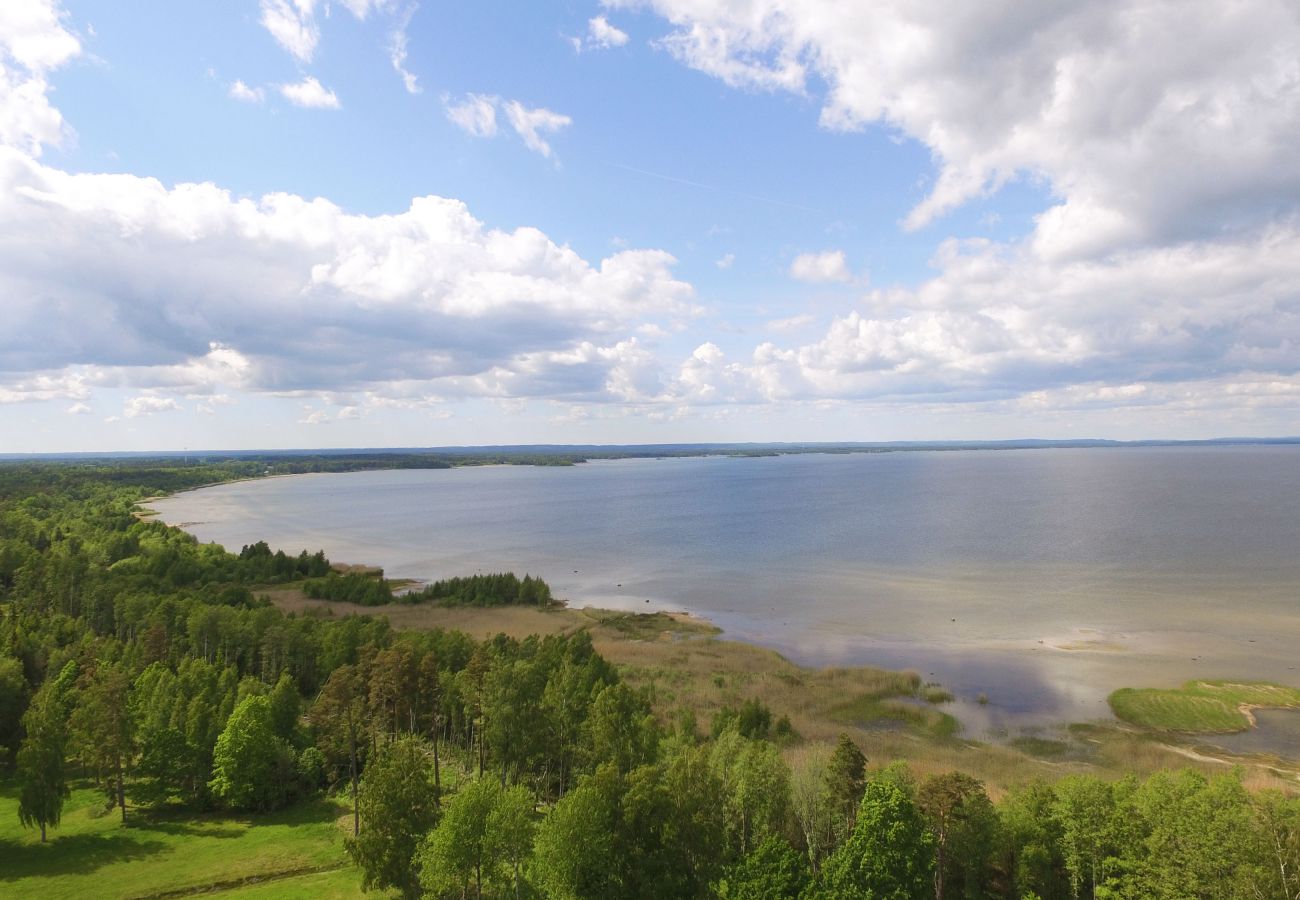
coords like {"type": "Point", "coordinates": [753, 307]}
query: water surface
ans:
{"type": "Point", "coordinates": [1040, 578]}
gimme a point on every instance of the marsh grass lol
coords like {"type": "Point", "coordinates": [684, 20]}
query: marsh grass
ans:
{"type": "Point", "coordinates": [1201, 707]}
{"type": "Point", "coordinates": [891, 715]}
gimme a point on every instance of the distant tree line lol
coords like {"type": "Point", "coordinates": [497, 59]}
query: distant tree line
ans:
{"type": "Point", "coordinates": [501, 589]}
{"type": "Point", "coordinates": [143, 661]}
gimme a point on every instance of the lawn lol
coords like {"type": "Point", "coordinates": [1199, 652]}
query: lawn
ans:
{"type": "Point", "coordinates": [1201, 707]}
{"type": "Point", "coordinates": [294, 853]}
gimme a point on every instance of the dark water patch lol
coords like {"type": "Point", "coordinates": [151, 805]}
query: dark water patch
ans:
{"type": "Point", "coordinates": [1276, 731]}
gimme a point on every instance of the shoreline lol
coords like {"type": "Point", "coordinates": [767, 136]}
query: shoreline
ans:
{"type": "Point", "coordinates": [967, 655]}
{"type": "Point", "coordinates": [664, 647]}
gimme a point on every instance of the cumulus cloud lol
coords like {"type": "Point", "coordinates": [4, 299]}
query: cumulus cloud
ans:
{"type": "Point", "coordinates": [1162, 134]}
{"type": "Point", "coordinates": [1123, 108]}
{"type": "Point", "coordinates": [530, 124]}
{"type": "Point", "coordinates": [822, 267]}
{"type": "Point", "coordinates": [188, 290]}
{"type": "Point", "coordinates": [245, 94]}
{"type": "Point", "coordinates": [999, 323]}
{"type": "Point", "coordinates": [1145, 284]}
{"type": "Point", "coordinates": [476, 114]}
{"type": "Point", "coordinates": [33, 41]}
{"type": "Point", "coordinates": [310, 94]}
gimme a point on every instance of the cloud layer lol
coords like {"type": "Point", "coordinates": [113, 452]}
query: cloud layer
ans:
{"type": "Point", "coordinates": [1165, 133]}
{"type": "Point", "coordinates": [1163, 274]}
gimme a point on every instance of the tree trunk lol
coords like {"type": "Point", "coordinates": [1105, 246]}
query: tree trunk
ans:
{"type": "Point", "coordinates": [121, 792]}
{"type": "Point", "coordinates": [938, 872]}
{"type": "Point", "coordinates": [42, 832]}
{"type": "Point", "coordinates": [437, 778]}
{"type": "Point", "coordinates": [356, 819]}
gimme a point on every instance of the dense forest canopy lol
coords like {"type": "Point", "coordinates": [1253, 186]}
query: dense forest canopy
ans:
{"type": "Point", "coordinates": [151, 665]}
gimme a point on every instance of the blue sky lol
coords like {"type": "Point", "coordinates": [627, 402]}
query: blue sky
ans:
{"type": "Point", "coordinates": [296, 223]}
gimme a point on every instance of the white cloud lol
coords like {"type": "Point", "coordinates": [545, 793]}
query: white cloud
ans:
{"type": "Point", "coordinates": [602, 34]}
{"type": "Point", "coordinates": [33, 41]}
{"type": "Point", "coordinates": [147, 405]}
{"type": "Point", "coordinates": [529, 124]}
{"type": "Point", "coordinates": [726, 261]}
{"type": "Point", "coordinates": [190, 291]}
{"type": "Point", "coordinates": [999, 324]}
{"type": "Point", "coordinates": [293, 25]}
{"type": "Point", "coordinates": [476, 115]}
{"type": "Point", "coordinates": [78, 409]}
{"type": "Point", "coordinates": [397, 50]}
{"type": "Point", "coordinates": [245, 94]}
{"type": "Point", "coordinates": [362, 8]}
{"type": "Point", "coordinates": [823, 267]}
{"type": "Point", "coordinates": [310, 94]}
{"type": "Point", "coordinates": [40, 386]}
{"type": "Point", "coordinates": [1121, 107]}
{"type": "Point", "coordinates": [1141, 274]}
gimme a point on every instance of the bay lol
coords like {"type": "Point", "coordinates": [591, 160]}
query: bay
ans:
{"type": "Point", "coordinates": [1029, 582]}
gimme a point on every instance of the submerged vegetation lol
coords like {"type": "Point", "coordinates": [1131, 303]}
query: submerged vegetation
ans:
{"type": "Point", "coordinates": [165, 728]}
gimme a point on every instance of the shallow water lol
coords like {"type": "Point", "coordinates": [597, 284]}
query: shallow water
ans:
{"type": "Point", "coordinates": [1276, 731]}
{"type": "Point", "coordinates": [1042, 579]}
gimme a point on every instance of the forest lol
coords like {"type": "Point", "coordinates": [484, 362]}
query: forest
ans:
{"type": "Point", "coordinates": [136, 660]}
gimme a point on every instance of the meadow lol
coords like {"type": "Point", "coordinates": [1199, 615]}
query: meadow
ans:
{"type": "Point", "coordinates": [297, 852]}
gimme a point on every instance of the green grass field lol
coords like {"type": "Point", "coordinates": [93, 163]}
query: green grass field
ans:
{"type": "Point", "coordinates": [1201, 707]}
{"type": "Point", "coordinates": [295, 853]}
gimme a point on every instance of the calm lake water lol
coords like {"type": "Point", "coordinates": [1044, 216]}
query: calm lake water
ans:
{"type": "Point", "coordinates": [1042, 579]}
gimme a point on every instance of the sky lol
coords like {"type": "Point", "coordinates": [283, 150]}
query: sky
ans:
{"type": "Point", "coordinates": [372, 223]}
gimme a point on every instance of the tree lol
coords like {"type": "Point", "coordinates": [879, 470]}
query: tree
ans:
{"type": "Point", "coordinates": [485, 831]}
{"type": "Point", "coordinates": [810, 801]}
{"type": "Point", "coordinates": [286, 704]}
{"type": "Point", "coordinates": [43, 753]}
{"type": "Point", "coordinates": [846, 778]}
{"type": "Point", "coordinates": [102, 726]}
{"type": "Point", "coordinates": [1031, 838]}
{"type": "Point", "coordinates": [1085, 812]}
{"type": "Point", "coordinates": [577, 850]}
{"type": "Point", "coordinates": [339, 714]}
{"type": "Point", "coordinates": [13, 703]}
{"type": "Point", "coordinates": [620, 729]}
{"type": "Point", "coordinates": [1188, 836]}
{"type": "Point", "coordinates": [756, 788]}
{"type": "Point", "coordinates": [772, 871]}
{"type": "Point", "coordinates": [1277, 820]}
{"type": "Point", "coordinates": [252, 768]}
{"type": "Point", "coordinates": [164, 764]}
{"type": "Point", "coordinates": [963, 823]}
{"type": "Point", "coordinates": [398, 805]}
{"type": "Point", "coordinates": [889, 854]}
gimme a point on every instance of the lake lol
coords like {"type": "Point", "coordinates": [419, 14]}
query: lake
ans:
{"type": "Point", "coordinates": [1041, 579]}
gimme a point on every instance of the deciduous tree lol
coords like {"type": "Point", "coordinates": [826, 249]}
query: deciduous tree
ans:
{"type": "Point", "coordinates": [398, 805]}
